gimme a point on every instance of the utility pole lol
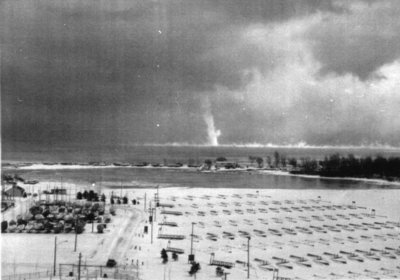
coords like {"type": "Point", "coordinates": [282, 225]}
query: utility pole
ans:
{"type": "Point", "coordinates": [55, 255]}
{"type": "Point", "coordinates": [191, 242]}
{"type": "Point", "coordinates": [76, 233]}
{"type": "Point", "coordinates": [191, 256]}
{"type": "Point", "coordinates": [79, 266]}
{"type": "Point", "coordinates": [145, 202]}
{"type": "Point", "coordinates": [248, 257]}
{"type": "Point", "coordinates": [155, 212]}
{"type": "Point", "coordinates": [158, 195]}
{"type": "Point", "coordinates": [151, 218]}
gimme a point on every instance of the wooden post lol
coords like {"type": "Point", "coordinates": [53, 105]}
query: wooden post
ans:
{"type": "Point", "coordinates": [191, 241]}
{"type": "Point", "coordinates": [151, 214]}
{"type": "Point", "coordinates": [145, 202]}
{"type": "Point", "coordinates": [55, 255]}
{"type": "Point", "coordinates": [248, 257]}
{"type": "Point", "coordinates": [79, 266]}
{"type": "Point", "coordinates": [76, 232]}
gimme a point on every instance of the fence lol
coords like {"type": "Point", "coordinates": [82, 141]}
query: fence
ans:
{"type": "Point", "coordinates": [26, 276]}
{"type": "Point", "coordinates": [68, 271]}
{"type": "Point", "coordinates": [71, 272]}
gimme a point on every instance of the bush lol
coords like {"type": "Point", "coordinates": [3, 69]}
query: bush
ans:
{"type": "Point", "coordinates": [219, 271]}
{"type": "Point", "coordinates": [100, 228]}
{"type": "Point", "coordinates": [194, 268]}
{"type": "Point", "coordinates": [111, 263]}
{"type": "Point", "coordinates": [164, 255]}
{"type": "Point", "coordinates": [4, 226]}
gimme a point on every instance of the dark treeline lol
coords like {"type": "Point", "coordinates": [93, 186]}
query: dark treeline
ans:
{"type": "Point", "coordinates": [351, 166]}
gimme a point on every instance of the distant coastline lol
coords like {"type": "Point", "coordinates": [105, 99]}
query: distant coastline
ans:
{"type": "Point", "coordinates": [9, 167]}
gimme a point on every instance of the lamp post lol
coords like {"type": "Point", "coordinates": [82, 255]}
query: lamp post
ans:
{"type": "Point", "coordinates": [191, 256]}
{"type": "Point", "coordinates": [55, 253]}
{"type": "Point", "coordinates": [191, 242]}
{"type": "Point", "coordinates": [76, 233]}
{"type": "Point", "coordinates": [248, 257]}
{"type": "Point", "coordinates": [151, 221]}
{"type": "Point", "coordinates": [145, 202]}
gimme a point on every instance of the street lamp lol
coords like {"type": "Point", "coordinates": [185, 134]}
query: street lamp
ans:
{"type": "Point", "coordinates": [76, 233]}
{"type": "Point", "coordinates": [55, 253]}
{"type": "Point", "coordinates": [191, 242]}
{"type": "Point", "coordinates": [248, 257]}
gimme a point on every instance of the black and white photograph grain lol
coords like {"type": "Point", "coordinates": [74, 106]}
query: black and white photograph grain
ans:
{"type": "Point", "coordinates": [200, 139]}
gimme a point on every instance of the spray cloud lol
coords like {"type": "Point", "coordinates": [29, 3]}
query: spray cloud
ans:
{"type": "Point", "coordinates": [212, 132]}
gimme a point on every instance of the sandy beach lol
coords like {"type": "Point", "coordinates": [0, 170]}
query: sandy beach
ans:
{"type": "Point", "coordinates": [297, 232]}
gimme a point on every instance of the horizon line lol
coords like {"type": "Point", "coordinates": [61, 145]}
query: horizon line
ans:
{"type": "Point", "coordinates": [300, 145]}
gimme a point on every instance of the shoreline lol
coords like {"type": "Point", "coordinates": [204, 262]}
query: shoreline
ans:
{"type": "Point", "coordinates": [261, 171]}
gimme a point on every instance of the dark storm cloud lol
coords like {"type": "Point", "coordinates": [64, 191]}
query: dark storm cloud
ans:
{"type": "Point", "coordinates": [72, 67]}
{"type": "Point", "coordinates": [361, 42]}
{"type": "Point", "coordinates": [138, 71]}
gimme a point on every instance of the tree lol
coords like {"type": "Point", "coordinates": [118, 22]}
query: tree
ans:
{"type": "Point", "coordinates": [208, 163]}
{"type": "Point", "coordinates": [276, 159]}
{"type": "Point", "coordinates": [85, 194]}
{"type": "Point", "coordinates": [260, 162]}
{"type": "Point", "coordinates": [90, 217]}
{"type": "Point", "coordinates": [293, 162]}
{"type": "Point", "coordinates": [79, 195]}
{"type": "Point", "coordinates": [252, 159]}
{"type": "Point", "coordinates": [90, 196]}
{"type": "Point", "coordinates": [125, 200]}
{"type": "Point", "coordinates": [269, 161]}
{"type": "Point", "coordinates": [283, 161]}
{"type": "Point", "coordinates": [221, 159]}
{"type": "Point", "coordinates": [309, 166]}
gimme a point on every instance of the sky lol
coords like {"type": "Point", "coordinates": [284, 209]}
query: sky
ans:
{"type": "Point", "coordinates": [200, 72]}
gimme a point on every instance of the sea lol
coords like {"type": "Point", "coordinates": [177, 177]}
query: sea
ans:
{"type": "Point", "coordinates": [178, 153]}
{"type": "Point", "coordinates": [136, 177]}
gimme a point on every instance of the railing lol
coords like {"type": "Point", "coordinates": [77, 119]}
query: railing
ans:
{"type": "Point", "coordinates": [24, 276]}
